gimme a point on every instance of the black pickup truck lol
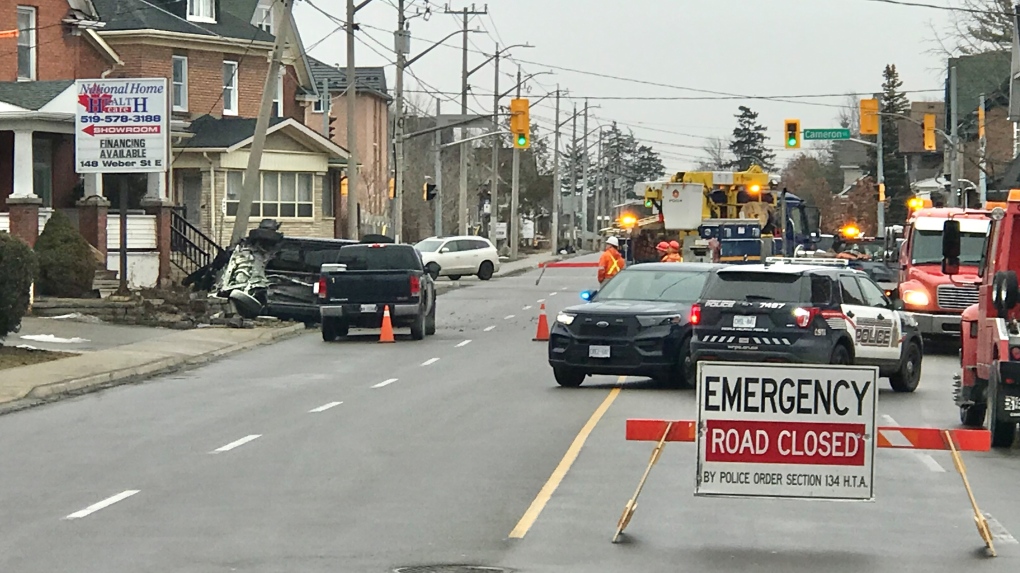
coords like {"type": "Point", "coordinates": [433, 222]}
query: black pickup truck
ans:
{"type": "Point", "coordinates": [368, 277]}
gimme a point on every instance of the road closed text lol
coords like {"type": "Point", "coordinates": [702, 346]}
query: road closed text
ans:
{"type": "Point", "coordinates": [784, 442]}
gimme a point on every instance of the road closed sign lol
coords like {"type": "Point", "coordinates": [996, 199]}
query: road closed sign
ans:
{"type": "Point", "coordinates": [786, 431]}
{"type": "Point", "coordinates": [121, 125]}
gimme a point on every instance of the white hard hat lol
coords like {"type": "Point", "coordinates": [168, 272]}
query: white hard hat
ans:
{"type": "Point", "coordinates": [613, 241]}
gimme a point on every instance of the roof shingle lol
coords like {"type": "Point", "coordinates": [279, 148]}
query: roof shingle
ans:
{"type": "Point", "coordinates": [169, 16]}
{"type": "Point", "coordinates": [32, 95]}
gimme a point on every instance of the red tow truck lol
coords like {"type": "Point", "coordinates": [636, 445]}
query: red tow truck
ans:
{"type": "Point", "coordinates": [989, 384]}
{"type": "Point", "coordinates": [934, 299]}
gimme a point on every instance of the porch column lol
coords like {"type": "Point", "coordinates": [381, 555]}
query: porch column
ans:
{"type": "Point", "coordinates": [93, 184]}
{"type": "Point", "coordinates": [23, 202]}
{"type": "Point", "coordinates": [157, 202]}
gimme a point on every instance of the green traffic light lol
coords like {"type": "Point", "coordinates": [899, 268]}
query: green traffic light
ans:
{"type": "Point", "coordinates": [522, 139]}
{"type": "Point", "coordinates": [792, 141]}
{"type": "Point", "coordinates": [648, 202]}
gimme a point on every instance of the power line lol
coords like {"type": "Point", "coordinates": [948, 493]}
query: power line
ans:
{"type": "Point", "coordinates": [937, 7]}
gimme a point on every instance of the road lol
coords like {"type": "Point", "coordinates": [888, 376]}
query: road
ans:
{"type": "Point", "coordinates": [360, 457]}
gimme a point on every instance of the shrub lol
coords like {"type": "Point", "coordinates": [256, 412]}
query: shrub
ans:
{"type": "Point", "coordinates": [66, 264]}
{"type": "Point", "coordinates": [18, 268]}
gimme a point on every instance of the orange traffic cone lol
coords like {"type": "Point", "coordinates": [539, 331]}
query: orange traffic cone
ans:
{"type": "Point", "coordinates": [543, 326]}
{"type": "Point", "coordinates": [386, 334]}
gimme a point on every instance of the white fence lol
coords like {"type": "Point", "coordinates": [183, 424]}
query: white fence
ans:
{"type": "Point", "coordinates": [44, 216]}
{"type": "Point", "coordinates": [142, 255]}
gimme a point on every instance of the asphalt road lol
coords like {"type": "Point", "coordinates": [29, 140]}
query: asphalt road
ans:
{"type": "Point", "coordinates": [360, 457]}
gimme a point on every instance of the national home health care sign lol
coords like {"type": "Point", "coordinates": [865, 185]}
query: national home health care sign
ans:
{"type": "Point", "coordinates": [121, 125]}
{"type": "Point", "coordinates": [786, 431]}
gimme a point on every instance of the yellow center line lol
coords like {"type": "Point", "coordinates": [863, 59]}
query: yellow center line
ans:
{"type": "Point", "coordinates": [531, 515]}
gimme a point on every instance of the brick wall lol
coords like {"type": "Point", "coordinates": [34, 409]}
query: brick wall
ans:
{"type": "Point", "coordinates": [999, 152]}
{"type": "Point", "coordinates": [59, 55]}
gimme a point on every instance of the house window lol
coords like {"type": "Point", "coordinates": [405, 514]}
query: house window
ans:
{"type": "Point", "coordinates": [180, 83]}
{"type": "Point", "coordinates": [329, 187]}
{"type": "Point", "coordinates": [229, 88]}
{"type": "Point", "coordinates": [264, 18]}
{"type": "Point", "coordinates": [282, 194]}
{"type": "Point", "coordinates": [278, 96]}
{"type": "Point", "coordinates": [202, 10]}
{"type": "Point", "coordinates": [26, 43]}
{"type": "Point", "coordinates": [317, 105]}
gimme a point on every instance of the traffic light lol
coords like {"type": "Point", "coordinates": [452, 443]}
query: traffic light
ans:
{"type": "Point", "coordinates": [429, 191]}
{"type": "Point", "coordinates": [869, 117]}
{"type": "Point", "coordinates": [881, 192]}
{"type": "Point", "coordinates": [393, 188]}
{"type": "Point", "coordinates": [520, 123]}
{"type": "Point", "coordinates": [332, 128]}
{"type": "Point", "coordinates": [929, 131]}
{"type": "Point", "coordinates": [792, 134]}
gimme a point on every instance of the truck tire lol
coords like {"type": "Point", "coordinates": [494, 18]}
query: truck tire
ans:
{"type": "Point", "coordinates": [568, 377]}
{"type": "Point", "coordinates": [418, 327]}
{"type": "Point", "coordinates": [973, 416]}
{"type": "Point", "coordinates": [1003, 431]}
{"type": "Point", "coordinates": [430, 321]}
{"type": "Point", "coordinates": [485, 270]}
{"type": "Point", "coordinates": [329, 330]}
{"type": "Point", "coordinates": [909, 375]}
{"type": "Point", "coordinates": [1004, 291]}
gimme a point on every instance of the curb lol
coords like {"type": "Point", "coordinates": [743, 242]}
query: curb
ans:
{"type": "Point", "coordinates": [87, 384]}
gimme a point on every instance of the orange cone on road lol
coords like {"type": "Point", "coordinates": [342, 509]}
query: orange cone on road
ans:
{"type": "Point", "coordinates": [543, 326]}
{"type": "Point", "coordinates": [386, 334]}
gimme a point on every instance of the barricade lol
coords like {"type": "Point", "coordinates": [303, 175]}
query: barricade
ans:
{"type": "Point", "coordinates": [768, 420]}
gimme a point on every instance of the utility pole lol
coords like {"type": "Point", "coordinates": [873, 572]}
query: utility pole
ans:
{"type": "Point", "coordinates": [462, 208]}
{"type": "Point", "coordinates": [880, 220]}
{"type": "Point", "coordinates": [554, 230]}
{"type": "Point", "coordinates": [600, 185]}
{"type": "Point", "coordinates": [352, 138]}
{"type": "Point", "coordinates": [402, 41]}
{"type": "Point", "coordinates": [584, 179]}
{"type": "Point", "coordinates": [573, 176]}
{"type": "Point", "coordinates": [513, 224]}
{"type": "Point", "coordinates": [250, 187]}
{"type": "Point", "coordinates": [324, 103]}
{"type": "Point", "coordinates": [983, 141]}
{"type": "Point", "coordinates": [954, 170]}
{"type": "Point", "coordinates": [494, 185]}
{"type": "Point", "coordinates": [438, 228]}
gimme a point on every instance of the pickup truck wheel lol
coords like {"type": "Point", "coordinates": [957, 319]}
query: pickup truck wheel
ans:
{"type": "Point", "coordinates": [568, 378]}
{"type": "Point", "coordinates": [430, 321]}
{"type": "Point", "coordinates": [909, 374]}
{"type": "Point", "coordinates": [485, 270]}
{"type": "Point", "coordinates": [433, 270]}
{"type": "Point", "coordinates": [329, 330]}
{"type": "Point", "coordinates": [973, 416]}
{"type": "Point", "coordinates": [418, 327]}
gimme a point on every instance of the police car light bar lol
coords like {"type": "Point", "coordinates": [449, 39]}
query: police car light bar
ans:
{"type": "Point", "coordinates": [808, 261]}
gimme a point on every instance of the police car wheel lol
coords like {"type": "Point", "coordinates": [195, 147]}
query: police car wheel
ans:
{"type": "Point", "coordinates": [909, 374]}
{"type": "Point", "coordinates": [840, 355]}
{"type": "Point", "coordinates": [688, 371]}
{"type": "Point", "coordinates": [568, 377]}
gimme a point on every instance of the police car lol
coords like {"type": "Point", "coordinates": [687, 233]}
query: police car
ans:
{"type": "Point", "coordinates": [806, 311]}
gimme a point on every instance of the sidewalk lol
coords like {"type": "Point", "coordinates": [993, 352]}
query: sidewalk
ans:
{"type": "Point", "coordinates": [506, 269]}
{"type": "Point", "coordinates": [26, 386]}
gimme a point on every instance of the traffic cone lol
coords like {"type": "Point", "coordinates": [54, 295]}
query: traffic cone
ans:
{"type": "Point", "coordinates": [543, 326]}
{"type": "Point", "coordinates": [386, 334]}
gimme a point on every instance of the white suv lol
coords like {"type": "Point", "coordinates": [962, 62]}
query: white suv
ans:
{"type": "Point", "coordinates": [455, 257]}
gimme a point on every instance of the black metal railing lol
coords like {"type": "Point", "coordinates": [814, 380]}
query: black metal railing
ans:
{"type": "Point", "coordinates": [190, 248]}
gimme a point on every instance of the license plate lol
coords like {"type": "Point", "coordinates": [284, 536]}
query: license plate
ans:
{"type": "Point", "coordinates": [598, 351]}
{"type": "Point", "coordinates": [744, 321]}
{"type": "Point", "coordinates": [369, 308]}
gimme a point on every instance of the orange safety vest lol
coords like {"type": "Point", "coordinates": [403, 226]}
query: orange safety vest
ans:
{"type": "Point", "coordinates": [673, 258]}
{"type": "Point", "coordinates": [610, 263]}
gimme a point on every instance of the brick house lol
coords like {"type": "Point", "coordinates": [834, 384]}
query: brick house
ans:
{"type": "Point", "coordinates": [214, 55]}
{"type": "Point", "coordinates": [372, 132]}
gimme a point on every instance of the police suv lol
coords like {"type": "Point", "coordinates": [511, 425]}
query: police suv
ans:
{"type": "Point", "coordinates": [815, 311]}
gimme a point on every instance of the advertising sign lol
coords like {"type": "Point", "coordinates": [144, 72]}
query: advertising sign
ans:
{"type": "Point", "coordinates": [681, 205]}
{"type": "Point", "coordinates": [500, 231]}
{"type": "Point", "coordinates": [786, 431]}
{"type": "Point", "coordinates": [121, 126]}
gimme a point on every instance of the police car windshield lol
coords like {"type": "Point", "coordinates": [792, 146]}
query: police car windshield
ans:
{"type": "Point", "coordinates": [751, 286]}
{"type": "Point", "coordinates": [669, 286]}
{"type": "Point", "coordinates": [927, 248]}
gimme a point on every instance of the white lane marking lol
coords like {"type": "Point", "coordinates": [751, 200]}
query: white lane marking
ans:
{"type": "Point", "coordinates": [889, 420]}
{"type": "Point", "coordinates": [430, 361]}
{"type": "Point", "coordinates": [564, 288]}
{"type": "Point", "coordinates": [489, 328]}
{"type": "Point", "coordinates": [463, 344]}
{"type": "Point", "coordinates": [999, 532]}
{"type": "Point", "coordinates": [541, 300]}
{"type": "Point", "coordinates": [236, 443]}
{"type": "Point", "coordinates": [385, 383]}
{"type": "Point", "coordinates": [508, 317]}
{"type": "Point", "coordinates": [552, 294]}
{"type": "Point", "coordinates": [324, 407]}
{"type": "Point", "coordinates": [105, 503]}
{"type": "Point", "coordinates": [526, 307]}
{"type": "Point", "coordinates": [929, 461]}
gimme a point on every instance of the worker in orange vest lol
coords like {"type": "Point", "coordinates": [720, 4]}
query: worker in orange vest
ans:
{"type": "Point", "coordinates": [611, 261]}
{"type": "Point", "coordinates": [663, 249]}
{"type": "Point", "coordinates": [674, 253]}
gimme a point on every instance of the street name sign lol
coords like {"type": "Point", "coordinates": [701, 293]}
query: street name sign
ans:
{"type": "Point", "coordinates": [826, 134]}
{"type": "Point", "coordinates": [121, 126]}
{"type": "Point", "coordinates": [786, 431]}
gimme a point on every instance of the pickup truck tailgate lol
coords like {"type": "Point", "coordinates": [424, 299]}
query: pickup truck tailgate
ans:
{"type": "Point", "coordinates": [370, 287]}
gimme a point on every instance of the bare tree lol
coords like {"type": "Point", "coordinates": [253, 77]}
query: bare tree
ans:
{"type": "Point", "coordinates": [977, 26]}
{"type": "Point", "coordinates": [850, 114]}
{"type": "Point", "coordinates": [718, 151]}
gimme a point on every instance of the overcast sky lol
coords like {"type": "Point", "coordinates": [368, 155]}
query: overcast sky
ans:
{"type": "Point", "coordinates": [741, 47]}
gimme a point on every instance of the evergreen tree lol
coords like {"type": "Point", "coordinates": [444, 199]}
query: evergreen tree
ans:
{"type": "Point", "coordinates": [897, 186]}
{"type": "Point", "coordinates": [748, 143]}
